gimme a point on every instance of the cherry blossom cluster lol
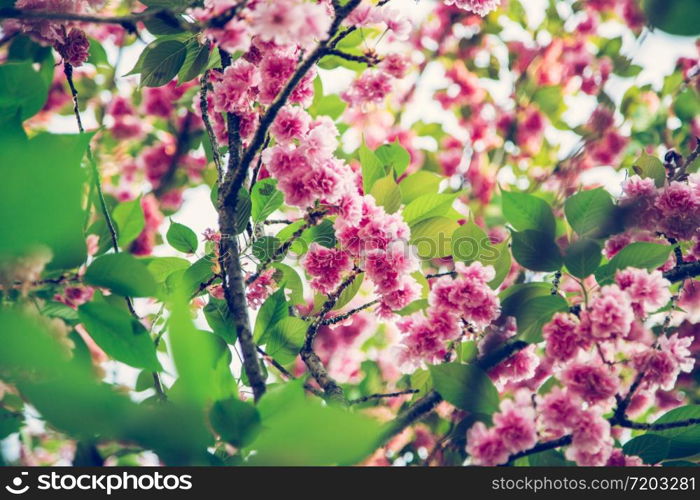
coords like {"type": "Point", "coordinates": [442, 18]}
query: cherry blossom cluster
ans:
{"type": "Point", "coordinates": [465, 303]}
{"type": "Point", "coordinates": [673, 209]}
{"type": "Point", "coordinates": [69, 40]}
{"type": "Point", "coordinates": [374, 241]}
{"type": "Point", "coordinates": [303, 160]}
{"type": "Point", "coordinates": [588, 355]}
{"type": "Point", "coordinates": [374, 85]}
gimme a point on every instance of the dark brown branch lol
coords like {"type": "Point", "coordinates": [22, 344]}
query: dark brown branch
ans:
{"type": "Point", "coordinates": [229, 252]}
{"type": "Point", "coordinates": [683, 271]}
{"type": "Point", "coordinates": [258, 166]}
{"type": "Point", "coordinates": [310, 358]}
{"type": "Point", "coordinates": [278, 221]}
{"type": "Point", "coordinates": [371, 397]}
{"type": "Point", "coordinates": [440, 275]}
{"type": "Point", "coordinates": [655, 427]}
{"type": "Point", "coordinates": [126, 22]}
{"type": "Point", "coordinates": [368, 59]}
{"type": "Point", "coordinates": [351, 312]}
{"type": "Point", "coordinates": [544, 446]}
{"type": "Point", "coordinates": [204, 106]}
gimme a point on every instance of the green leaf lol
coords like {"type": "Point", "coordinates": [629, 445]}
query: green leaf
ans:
{"type": "Point", "coordinates": [201, 358]}
{"type": "Point", "coordinates": [549, 458]}
{"type": "Point", "coordinates": [162, 267]}
{"type": "Point", "coordinates": [41, 203]}
{"type": "Point", "coordinates": [687, 105]}
{"type": "Point", "coordinates": [182, 238]}
{"type": "Point", "coordinates": [394, 156]}
{"type": "Point", "coordinates": [304, 432]}
{"type": "Point", "coordinates": [587, 211]}
{"type": "Point", "coordinates": [291, 281]}
{"type": "Point", "coordinates": [323, 234]}
{"type": "Point", "coordinates": [195, 61]}
{"type": "Point", "coordinates": [428, 205]}
{"type": "Point", "coordinates": [119, 334]}
{"type": "Point", "coordinates": [648, 166]}
{"type": "Point", "coordinates": [583, 257]}
{"type": "Point", "coordinates": [10, 422]}
{"type": "Point", "coordinates": [21, 88]}
{"type": "Point", "coordinates": [501, 263]}
{"type": "Point", "coordinates": [97, 54]}
{"type": "Point", "coordinates": [265, 199]}
{"type": "Point", "coordinates": [192, 278]}
{"type": "Point", "coordinates": [265, 247]}
{"type": "Point", "coordinates": [418, 184]}
{"type": "Point", "coordinates": [285, 338]}
{"type": "Point", "coordinates": [273, 310]}
{"type": "Point", "coordinates": [219, 319]}
{"type": "Point", "coordinates": [130, 221]}
{"type": "Point", "coordinates": [349, 293]}
{"type": "Point", "coordinates": [162, 24]}
{"type": "Point", "coordinates": [514, 298]}
{"type": "Point", "coordinates": [640, 254]}
{"type": "Point", "coordinates": [465, 386]}
{"type": "Point", "coordinates": [678, 17]}
{"type": "Point", "coordinates": [431, 237]}
{"type": "Point", "coordinates": [536, 251]}
{"type": "Point", "coordinates": [468, 241]}
{"type": "Point", "coordinates": [237, 422]}
{"type": "Point", "coordinates": [122, 273]}
{"type": "Point", "coordinates": [387, 194]}
{"type": "Point", "coordinates": [674, 443]}
{"type": "Point", "coordinates": [372, 167]}
{"type": "Point", "coordinates": [535, 313]}
{"type": "Point", "coordinates": [59, 310]}
{"type": "Point", "coordinates": [161, 62]}
{"type": "Point", "coordinates": [327, 105]}
{"type": "Point", "coordinates": [550, 100]}
{"type": "Point", "coordinates": [525, 211]}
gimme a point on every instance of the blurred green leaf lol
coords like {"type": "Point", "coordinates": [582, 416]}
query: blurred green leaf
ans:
{"type": "Point", "coordinates": [122, 273]}
{"type": "Point", "coordinates": [119, 334]}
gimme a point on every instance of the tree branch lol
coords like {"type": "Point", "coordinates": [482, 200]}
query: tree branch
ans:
{"type": "Point", "coordinates": [351, 312]}
{"type": "Point", "coordinates": [229, 252]}
{"type": "Point", "coordinates": [321, 50]}
{"type": "Point", "coordinates": [371, 397]}
{"type": "Point", "coordinates": [310, 358]}
{"type": "Point", "coordinates": [68, 72]}
{"type": "Point", "coordinates": [313, 217]}
{"type": "Point", "coordinates": [683, 271]}
{"type": "Point", "coordinates": [368, 59]}
{"type": "Point", "coordinates": [204, 106]}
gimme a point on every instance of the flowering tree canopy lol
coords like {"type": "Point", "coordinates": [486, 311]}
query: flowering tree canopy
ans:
{"type": "Point", "coordinates": [446, 232]}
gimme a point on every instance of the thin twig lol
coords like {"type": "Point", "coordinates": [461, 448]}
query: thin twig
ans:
{"type": "Point", "coordinates": [313, 217]}
{"type": "Point", "coordinates": [68, 71]}
{"type": "Point", "coordinates": [372, 397]}
{"type": "Point", "coordinates": [351, 312]}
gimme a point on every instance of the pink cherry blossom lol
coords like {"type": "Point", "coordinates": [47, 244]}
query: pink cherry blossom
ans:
{"type": "Point", "coordinates": [478, 7]}
{"type": "Point", "coordinates": [593, 382]}
{"type": "Point", "coordinates": [486, 446]}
